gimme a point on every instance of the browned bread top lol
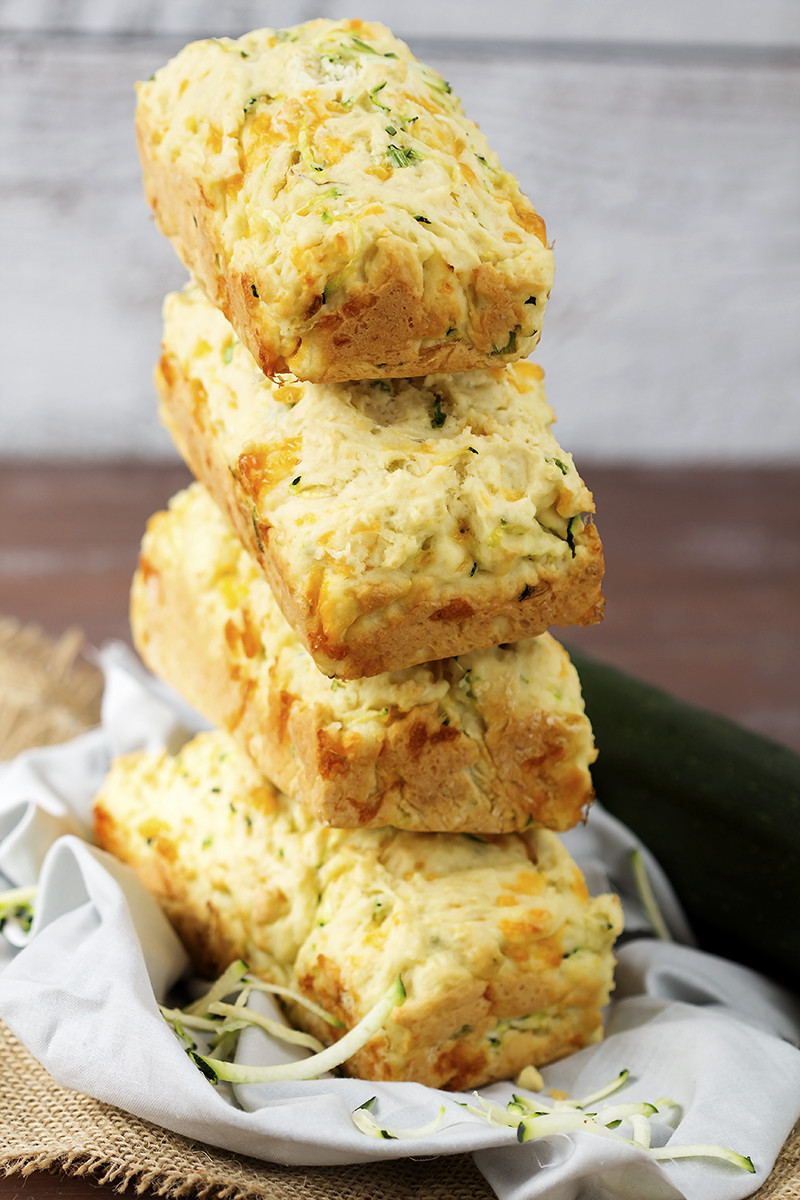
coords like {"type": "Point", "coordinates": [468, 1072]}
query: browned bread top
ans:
{"type": "Point", "coordinates": [398, 521]}
{"type": "Point", "coordinates": [333, 200]}
{"type": "Point", "coordinates": [487, 742]}
{"type": "Point", "coordinates": [505, 958]}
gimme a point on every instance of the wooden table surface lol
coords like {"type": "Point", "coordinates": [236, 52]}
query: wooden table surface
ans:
{"type": "Point", "coordinates": [702, 572]}
{"type": "Point", "coordinates": [702, 588]}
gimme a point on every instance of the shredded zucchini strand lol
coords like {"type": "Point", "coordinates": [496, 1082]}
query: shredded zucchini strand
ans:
{"type": "Point", "coordinates": [647, 897]}
{"type": "Point", "coordinates": [534, 1119]}
{"type": "Point", "coordinates": [309, 1068]}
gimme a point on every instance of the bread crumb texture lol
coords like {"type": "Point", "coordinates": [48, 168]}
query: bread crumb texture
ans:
{"type": "Point", "coordinates": [506, 959]}
{"type": "Point", "coordinates": [328, 191]}
{"type": "Point", "coordinates": [489, 741]}
{"type": "Point", "coordinates": [440, 505]}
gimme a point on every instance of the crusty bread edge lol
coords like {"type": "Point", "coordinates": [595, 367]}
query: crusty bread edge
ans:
{"type": "Point", "coordinates": [419, 775]}
{"type": "Point", "coordinates": [417, 1043]}
{"type": "Point", "coordinates": [410, 627]}
{"type": "Point", "coordinates": [388, 327]}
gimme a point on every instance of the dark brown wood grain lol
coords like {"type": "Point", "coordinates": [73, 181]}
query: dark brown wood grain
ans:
{"type": "Point", "coordinates": [703, 588]}
{"type": "Point", "coordinates": [702, 571]}
{"type": "Point", "coordinates": [43, 1186]}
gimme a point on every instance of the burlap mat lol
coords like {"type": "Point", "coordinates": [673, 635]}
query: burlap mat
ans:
{"type": "Point", "coordinates": [48, 693]}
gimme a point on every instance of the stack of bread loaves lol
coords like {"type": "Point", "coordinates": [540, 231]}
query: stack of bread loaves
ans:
{"type": "Point", "coordinates": [356, 590]}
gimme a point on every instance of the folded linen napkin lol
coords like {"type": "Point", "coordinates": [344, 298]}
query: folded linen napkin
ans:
{"type": "Point", "coordinates": [82, 994]}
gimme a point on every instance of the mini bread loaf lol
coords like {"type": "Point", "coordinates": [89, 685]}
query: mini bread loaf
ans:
{"type": "Point", "coordinates": [327, 191]}
{"type": "Point", "coordinates": [397, 521]}
{"type": "Point", "coordinates": [505, 958]}
{"type": "Point", "coordinates": [485, 743]}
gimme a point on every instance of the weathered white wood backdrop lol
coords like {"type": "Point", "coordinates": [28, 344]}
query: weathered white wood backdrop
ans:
{"type": "Point", "coordinates": [660, 142]}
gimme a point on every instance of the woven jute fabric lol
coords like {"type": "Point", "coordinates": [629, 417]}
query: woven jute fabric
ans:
{"type": "Point", "coordinates": [44, 1126]}
{"type": "Point", "coordinates": [49, 692]}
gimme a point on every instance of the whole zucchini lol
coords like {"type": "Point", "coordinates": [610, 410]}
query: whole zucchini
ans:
{"type": "Point", "coordinates": [717, 805]}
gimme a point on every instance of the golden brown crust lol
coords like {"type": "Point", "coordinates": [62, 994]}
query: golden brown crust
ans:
{"type": "Point", "coordinates": [405, 309]}
{"type": "Point", "coordinates": [498, 611]}
{"type": "Point", "coordinates": [401, 625]}
{"type": "Point", "coordinates": [203, 932]}
{"type": "Point", "coordinates": [418, 774]}
{"type": "Point", "coordinates": [505, 958]}
{"type": "Point", "coordinates": [374, 334]}
{"type": "Point", "coordinates": [188, 217]}
{"type": "Point", "coordinates": [424, 1050]}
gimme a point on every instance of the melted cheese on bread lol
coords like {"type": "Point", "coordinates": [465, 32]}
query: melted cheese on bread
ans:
{"type": "Point", "coordinates": [505, 958]}
{"type": "Point", "coordinates": [487, 742]}
{"type": "Point", "coordinates": [327, 189]}
{"type": "Point", "coordinates": [439, 512]}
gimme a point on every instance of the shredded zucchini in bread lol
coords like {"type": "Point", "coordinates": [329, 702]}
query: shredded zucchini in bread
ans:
{"type": "Point", "coordinates": [505, 959]}
{"type": "Point", "coordinates": [397, 521]}
{"type": "Point", "coordinates": [335, 202]}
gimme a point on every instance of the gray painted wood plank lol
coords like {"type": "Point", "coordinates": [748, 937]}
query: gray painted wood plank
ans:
{"type": "Point", "coordinates": [735, 22]}
{"type": "Point", "coordinates": [671, 190]}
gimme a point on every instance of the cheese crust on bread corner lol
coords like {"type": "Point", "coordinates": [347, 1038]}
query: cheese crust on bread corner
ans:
{"type": "Point", "coordinates": [333, 200]}
{"type": "Point", "coordinates": [397, 521]}
{"type": "Point", "coordinates": [488, 742]}
{"type": "Point", "coordinates": [505, 958]}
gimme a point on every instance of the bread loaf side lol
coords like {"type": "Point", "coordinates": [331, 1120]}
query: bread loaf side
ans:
{"type": "Point", "coordinates": [397, 521]}
{"type": "Point", "coordinates": [487, 742]}
{"type": "Point", "coordinates": [505, 958]}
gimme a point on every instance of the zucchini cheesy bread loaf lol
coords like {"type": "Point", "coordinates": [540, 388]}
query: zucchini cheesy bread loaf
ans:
{"type": "Point", "coordinates": [484, 743]}
{"type": "Point", "coordinates": [504, 957]}
{"type": "Point", "coordinates": [397, 521]}
{"type": "Point", "coordinates": [327, 191]}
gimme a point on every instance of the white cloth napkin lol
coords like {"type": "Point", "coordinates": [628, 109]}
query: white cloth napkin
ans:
{"type": "Point", "coordinates": [82, 995]}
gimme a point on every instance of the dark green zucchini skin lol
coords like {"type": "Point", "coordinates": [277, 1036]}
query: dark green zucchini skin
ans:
{"type": "Point", "coordinates": [717, 805]}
